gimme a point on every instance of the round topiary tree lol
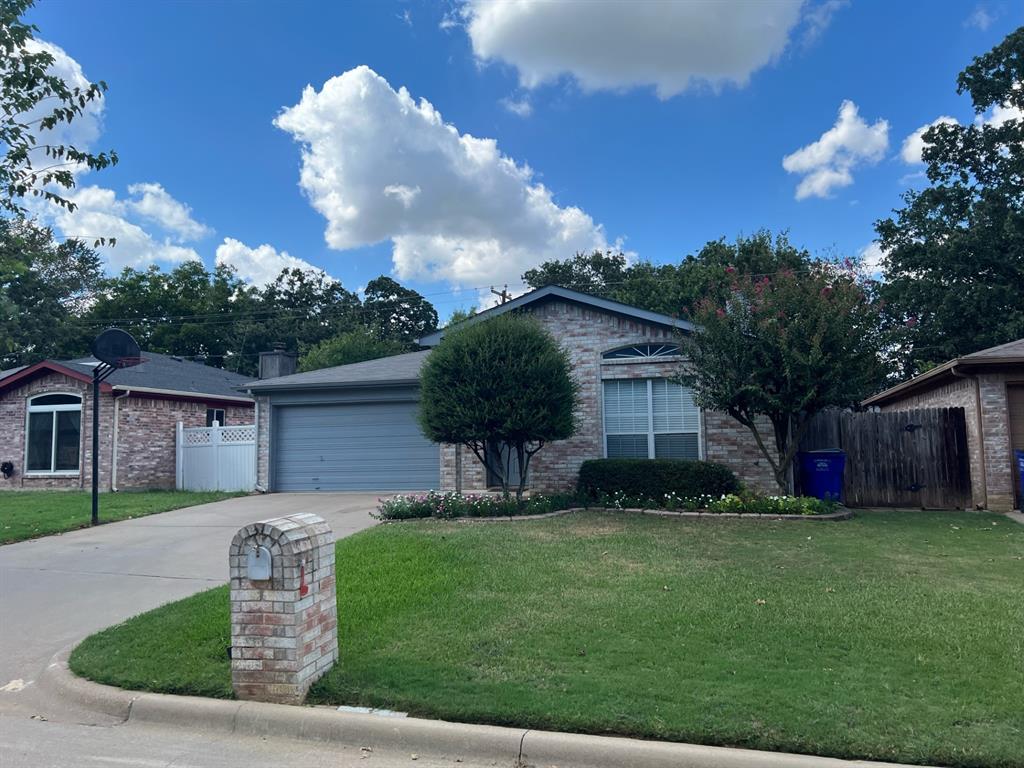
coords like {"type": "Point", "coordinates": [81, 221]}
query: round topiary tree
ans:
{"type": "Point", "coordinates": [503, 388]}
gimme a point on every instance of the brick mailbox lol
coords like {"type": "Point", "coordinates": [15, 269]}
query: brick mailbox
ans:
{"type": "Point", "coordinates": [284, 615]}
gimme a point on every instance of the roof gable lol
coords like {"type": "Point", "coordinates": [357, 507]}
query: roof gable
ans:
{"type": "Point", "coordinates": [552, 292]}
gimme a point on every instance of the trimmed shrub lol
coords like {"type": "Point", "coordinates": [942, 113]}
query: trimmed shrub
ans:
{"type": "Point", "coordinates": [655, 478]}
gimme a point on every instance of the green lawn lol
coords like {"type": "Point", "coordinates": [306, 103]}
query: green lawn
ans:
{"type": "Point", "coordinates": [893, 636]}
{"type": "Point", "coordinates": [30, 514]}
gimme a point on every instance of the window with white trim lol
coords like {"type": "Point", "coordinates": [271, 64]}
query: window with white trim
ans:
{"type": "Point", "coordinates": [650, 419]}
{"type": "Point", "coordinates": [215, 414]}
{"type": "Point", "coordinates": [54, 434]}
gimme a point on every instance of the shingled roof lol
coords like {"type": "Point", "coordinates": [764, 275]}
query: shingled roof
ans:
{"type": "Point", "coordinates": [160, 373]}
{"type": "Point", "coordinates": [1009, 354]}
{"type": "Point", "coordinates": [397, 369]}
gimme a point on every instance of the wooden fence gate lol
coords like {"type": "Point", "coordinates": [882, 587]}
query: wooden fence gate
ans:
{"type": "Point", "coordinates": [916, 458]}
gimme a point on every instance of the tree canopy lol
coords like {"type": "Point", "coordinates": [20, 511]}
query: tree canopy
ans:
{"type": "Point", "coordinates": [503, 388]}
{"type": "Point", "coordinates": [954, 253]}
{"type": "Point", "coordinates": [349, 347]}
{"type": "Point", "coordinates": [784, 347]}
{"type": "Point", "coordinates": [34, 103]}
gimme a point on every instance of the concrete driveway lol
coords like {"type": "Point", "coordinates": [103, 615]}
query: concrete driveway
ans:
{"type": "Point", "coordinates": [56, 590]}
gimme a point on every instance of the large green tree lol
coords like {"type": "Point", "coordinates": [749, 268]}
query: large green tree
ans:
{"type": "Point", "coordinates": [672, 289]}
{"type": "Point", "coordinates": [779, 349]}
{"type": "Point", "coordinates": [501, 387]}
{"type": "Point", "coordinates": [34, 104]}
{"type": "Point", "coordinates": [349, 347]}
{"type": "Point", "coordinates": [397, 313]}
{"type": "Point", "coordinates": [44, 285]}
{"type": "Point", "coordinates": [954, 267]}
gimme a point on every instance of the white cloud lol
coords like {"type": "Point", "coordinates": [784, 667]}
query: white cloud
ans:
{"type": "Point", "coordinates": [1003, 112]}
{"type": "Point", "coordinates": [85, 129]}
{"type": "Point", "coordinates": [99, 214]}
{"type": "Point", "coordinates": [827, 163]}
{"type": "Point", "coordinates": [872, 259]}
{"type": "Point", "coordinates": [259, 265]}
{"type": "Point", "coordinates": [980, 18]}
{"type": "Point", "coordinates": [817, 19]}
{"type": "Point", "coordinates": [913, 145]}
{"type": "Point", "coordinates": [615, 44]}
{"type": "Point", "coordinates": [478, 216]}
{"type": "Point", "coordinates": [154, 203]}
{"type": "Point", "coordinates": [521, 107]}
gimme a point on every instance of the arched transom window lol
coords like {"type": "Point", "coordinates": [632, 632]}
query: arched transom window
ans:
{"type": "Point", "coordinates": [53, 434]}
{"type": "Point", "coordinates": [642, 352]}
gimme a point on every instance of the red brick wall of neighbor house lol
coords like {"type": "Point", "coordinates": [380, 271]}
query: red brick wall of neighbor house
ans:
{"type": "Point", "coordinates": [992, 488]}
{"type": "Point", "coordinates": [146, 456]}
{"type": "Point", "coordinates": [12, 435]}
{"type": "Point", "coordinates": [586, 334]}
{"type": "Point", "coordinates": [146, 433]}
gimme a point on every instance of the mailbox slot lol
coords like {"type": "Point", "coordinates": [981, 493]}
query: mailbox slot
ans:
{"type": "Point", "coordinates": [258, 564]}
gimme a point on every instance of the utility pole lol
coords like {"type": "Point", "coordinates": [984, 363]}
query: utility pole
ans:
{"type": "Point", "coordinates": [503, 294]}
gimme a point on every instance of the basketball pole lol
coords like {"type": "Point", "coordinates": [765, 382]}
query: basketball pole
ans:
{"type": "Point", "coordinates": [96, 445]}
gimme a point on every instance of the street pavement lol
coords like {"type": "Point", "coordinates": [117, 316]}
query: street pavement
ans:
{"type": "Point", "coordinates": [57, 590]}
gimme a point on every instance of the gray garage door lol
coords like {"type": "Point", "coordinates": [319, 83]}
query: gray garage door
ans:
{"type": "Point", "coordinates": [352, 447]}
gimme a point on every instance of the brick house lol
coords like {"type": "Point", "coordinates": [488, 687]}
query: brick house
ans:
{"type": "Point", "coordinates": [989, 386]}
{"type": "Point", "coordinates": [354, 427]}
{"type": "Point", "coordinates": [46, 420]}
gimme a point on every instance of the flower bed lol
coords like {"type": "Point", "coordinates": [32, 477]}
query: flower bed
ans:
{"type": "Point", "coordinates": [452, 505]}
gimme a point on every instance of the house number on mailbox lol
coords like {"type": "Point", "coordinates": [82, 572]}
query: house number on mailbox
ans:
{"type": "Point", "coordinates": [258, 564]}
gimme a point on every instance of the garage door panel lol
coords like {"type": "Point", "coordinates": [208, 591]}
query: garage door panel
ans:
{"type": "Point", "coordinates": [359, 446]}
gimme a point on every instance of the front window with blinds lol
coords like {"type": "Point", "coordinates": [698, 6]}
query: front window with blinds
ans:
{"type": "Point", "coordinates": [650, 418]}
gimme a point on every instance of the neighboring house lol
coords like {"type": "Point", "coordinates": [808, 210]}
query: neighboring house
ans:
{"type": "Point", "coordinates": [46, 420]}
{"type": "Point", "coordinates": [989, 386]}
{"type": "Point", "coordinates": [354, 427]}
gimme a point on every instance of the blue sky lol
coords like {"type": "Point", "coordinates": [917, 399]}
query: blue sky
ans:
{"type": "Point", "coordinates": [653, 126]}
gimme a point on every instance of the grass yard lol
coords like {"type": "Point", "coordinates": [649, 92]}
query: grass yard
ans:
{"type": "Point", "coordinates": [31, 514]}
{"type": "Point", "coordinates": [893, 636]}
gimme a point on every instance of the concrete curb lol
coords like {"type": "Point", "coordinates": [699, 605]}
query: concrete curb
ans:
{"type": "Point", "coordinates": [843, 513]}
{"type": "Point", "coordinates": [438, 739]}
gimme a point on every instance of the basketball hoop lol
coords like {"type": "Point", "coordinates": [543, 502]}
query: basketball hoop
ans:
{"type": "Point", "coordinates": [114, 349]}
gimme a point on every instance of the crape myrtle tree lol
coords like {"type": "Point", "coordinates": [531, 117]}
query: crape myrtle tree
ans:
{"type": "Point", "coordinates": [954, 253]}
{"type": "Point", "coordinates": [501, 387]}
{"type": "Point", "coordinates": [784, 347]}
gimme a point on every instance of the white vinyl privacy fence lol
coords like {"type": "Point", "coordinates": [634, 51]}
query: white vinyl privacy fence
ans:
{"type": "Point", "coordinates": [216, 458]}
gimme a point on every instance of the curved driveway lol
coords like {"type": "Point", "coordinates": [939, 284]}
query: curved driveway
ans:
{"type": "Point", "coordinates": [56, 590]}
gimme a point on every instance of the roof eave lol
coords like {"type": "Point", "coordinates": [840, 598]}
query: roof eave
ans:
{"type": "Point", "coordinates": [256, 388]}
{"type": "Point", "coordinates": [928, 377]}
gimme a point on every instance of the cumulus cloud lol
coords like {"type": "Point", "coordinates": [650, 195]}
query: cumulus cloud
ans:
{"type": "Point", "coordinates": [86, 128]}
{"type": "Point", "coordinates": [872, 259]}
{"type": "Point", "coordinates": [378, 165]}
{"type": "Point", "coordinates": [100, 214]}
{"type": "Point", "coordinates": [259, 265]}
{"type": "Point", "coordinates": [154, 203]}
{"type": "Point", "coordinates": [827, 164]}
{"type": "Point", "coordinates": [616, 44]}
{"type": "Point", "coordinates": [913, 145]}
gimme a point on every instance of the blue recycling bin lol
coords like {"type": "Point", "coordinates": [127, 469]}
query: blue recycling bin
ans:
{"type": "Point", "coordinates": [1020, 473]}
{"type": "Point", "coordinates": [821, 473]}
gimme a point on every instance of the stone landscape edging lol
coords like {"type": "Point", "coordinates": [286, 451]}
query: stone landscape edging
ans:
{"type": "Point", "coordinates": [439, 739]}
{"type": "Point", "coordinates": [843, 513]}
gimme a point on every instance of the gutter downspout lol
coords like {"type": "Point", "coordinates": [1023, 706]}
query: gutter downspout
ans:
{"type": "Point", "coordinates": [981, 433]}
{"type": "Point", "coordinates": [113, 441]}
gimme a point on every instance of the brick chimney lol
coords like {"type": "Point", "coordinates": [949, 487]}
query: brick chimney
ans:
{"type": "Point", "coordinates": [277, 362]}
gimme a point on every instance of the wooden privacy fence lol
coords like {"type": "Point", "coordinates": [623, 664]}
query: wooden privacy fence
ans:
{"type": "Point", "coordinates": [216, 458]}
{"type": "Point", "coordinates": [916, 458]}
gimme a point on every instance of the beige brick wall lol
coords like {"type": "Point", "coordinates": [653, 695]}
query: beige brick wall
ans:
{"type": "Point", "coordinates": [587, 334]}
{"type": "Point", "coordinates": [145, 436]}
{"type": "Point", "coordinates": [988, 437]}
